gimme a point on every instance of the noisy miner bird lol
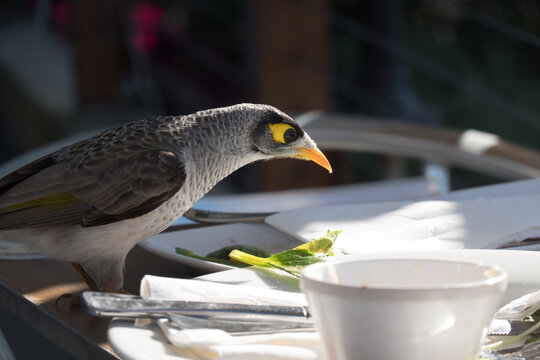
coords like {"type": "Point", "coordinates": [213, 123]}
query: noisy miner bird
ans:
{"type": "Point", "coordinates": [91, 202]}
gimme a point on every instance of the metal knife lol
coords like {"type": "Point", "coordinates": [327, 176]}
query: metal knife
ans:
{"type": "Point", "coordinates": [121, 305]}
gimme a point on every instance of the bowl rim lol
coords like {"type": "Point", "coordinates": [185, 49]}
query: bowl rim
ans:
{"type": "Point", "coordinates": [307, 275]}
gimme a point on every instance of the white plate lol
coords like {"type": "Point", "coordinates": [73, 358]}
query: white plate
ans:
{"type": "Point", "coordinates": [135, 343]}
{"type": "Point", "coordinates": [207, 239]}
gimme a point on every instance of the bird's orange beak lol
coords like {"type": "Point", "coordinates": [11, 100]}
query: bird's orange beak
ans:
{"type": "Point", "coordinates": [316, 156]}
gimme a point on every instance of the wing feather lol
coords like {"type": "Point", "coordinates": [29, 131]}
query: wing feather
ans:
{"type": "Point", "coordinates": [114, 188]}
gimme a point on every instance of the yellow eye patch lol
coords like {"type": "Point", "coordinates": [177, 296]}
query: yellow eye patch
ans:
{"type": "Point", "coordinates": [283, 133]}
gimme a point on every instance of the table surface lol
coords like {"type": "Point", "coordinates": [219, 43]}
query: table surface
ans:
{"type": "Point", "coordinates": [30, 289]}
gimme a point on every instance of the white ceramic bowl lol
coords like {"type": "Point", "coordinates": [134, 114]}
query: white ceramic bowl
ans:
{"type": "Point", "coordinates": [402, 308]}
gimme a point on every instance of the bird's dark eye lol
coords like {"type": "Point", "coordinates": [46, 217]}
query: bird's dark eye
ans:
{"type": "Point", "coordinates": [283, 133]}
{"type": "Point", "coordinates": [290, 135]}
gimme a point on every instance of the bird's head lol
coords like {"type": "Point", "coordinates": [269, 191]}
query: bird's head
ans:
{"type": "Point", "coordinates": [277, 135]}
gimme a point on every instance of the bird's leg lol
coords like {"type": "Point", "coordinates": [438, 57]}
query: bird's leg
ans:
{"type": "Point", "coordinates": [75, 300]}
{"type": "Point", "coordinates": [92, 285]}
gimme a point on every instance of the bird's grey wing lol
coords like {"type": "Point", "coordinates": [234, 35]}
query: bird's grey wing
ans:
{"type": "Point", "coordinates": [135, 186]}
{"type": "Point", "coordinates": [33, 195]}
{"type": "Point", "coordinates": [110, 189]}
{"type": "Point", "coordinates": [23, 173]}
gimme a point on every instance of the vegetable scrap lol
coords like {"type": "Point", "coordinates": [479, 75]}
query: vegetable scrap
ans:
{"type": "Point", "coordinates": [294, 260]}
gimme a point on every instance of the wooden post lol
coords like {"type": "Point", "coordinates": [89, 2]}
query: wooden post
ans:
{"type": "Point", "coordinates": [291, 63]}
{"type": "Point", "coordinates": [99, 48]}
{"type": "Point", "coordinates": [292, 53]}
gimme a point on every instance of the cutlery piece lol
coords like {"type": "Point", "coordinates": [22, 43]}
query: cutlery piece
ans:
{"type": "Point", "coordinates": [220, 217]}
{"type": "Point", "coordinates": [238, 327]}
{"type": "Point", "coordinates": [529, 351]}
{"type": "Point", "coordinates": [526, 242]}
{"type": "Point", "coordinates": [511, 328]}
{"type": "Point", "coordinates": [203, 218]}
{"type": "Point", "coordinates": [121, 305]}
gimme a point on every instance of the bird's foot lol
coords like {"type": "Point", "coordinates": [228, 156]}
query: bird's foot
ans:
{"type": "Point", "coordinates": [74, 300]}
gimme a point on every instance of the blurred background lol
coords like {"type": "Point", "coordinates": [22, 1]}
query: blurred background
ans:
{"type": "Point", "coordinates": [72, 67]}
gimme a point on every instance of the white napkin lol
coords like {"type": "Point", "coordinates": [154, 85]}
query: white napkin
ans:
{"type": "Point", "coordinates": [520, 308]}
{"type": "Point", "coordinates": [422, 225]}
{"type": "Point", "coordinates": [218, 344]}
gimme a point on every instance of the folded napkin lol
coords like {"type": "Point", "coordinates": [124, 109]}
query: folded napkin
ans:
{"type": "Point", "coordinates": [218, 344]}
{"type": "Point", "coordinates": [520, 308]}
{"type": "Point", "coordinates": [163, 288]}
